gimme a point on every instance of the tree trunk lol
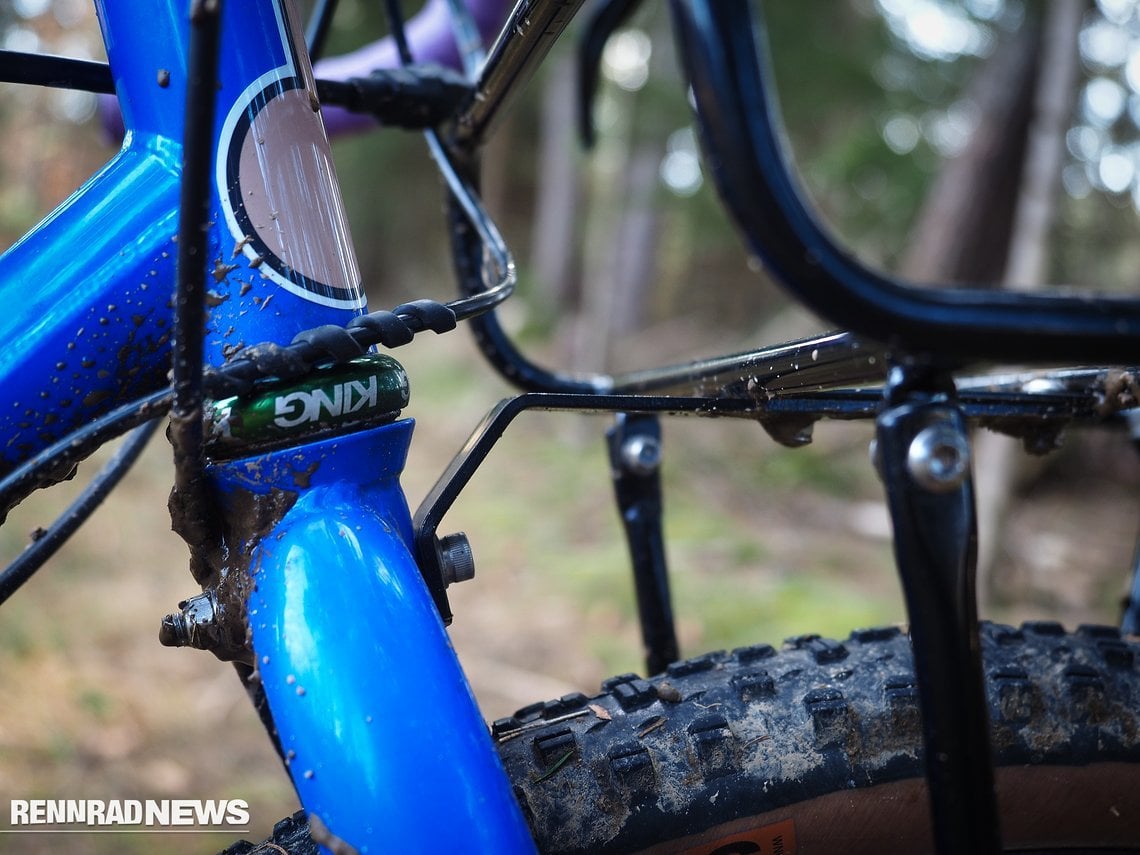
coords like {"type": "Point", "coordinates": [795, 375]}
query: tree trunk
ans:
{"type": "Point", "coordinates": [1000, 458]}
{"type": "Point", "coordinates": [555, 254]}
{"type": "Point", "coordinates": [963, 230]}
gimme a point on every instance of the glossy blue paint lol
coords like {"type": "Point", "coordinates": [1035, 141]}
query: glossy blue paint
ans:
{"type": "Point", "coordinates": [398, 754]}
{"type": "Point", "coordinates": [86, 320]}
{"type": "Point", "coordinates": [384, 740]}
{"type": "Point", "coordinates": [87, 293]}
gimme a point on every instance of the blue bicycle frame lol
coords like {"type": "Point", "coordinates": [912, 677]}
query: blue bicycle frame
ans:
{"type": "Point", "coordinates": [379, 729]}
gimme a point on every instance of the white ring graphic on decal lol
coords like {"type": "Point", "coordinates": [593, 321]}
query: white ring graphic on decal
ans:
{"type": "Point", "coordinates": [279, 192]}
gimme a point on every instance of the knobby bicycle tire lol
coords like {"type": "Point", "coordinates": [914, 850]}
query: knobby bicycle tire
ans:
{"type": "Point", "coordinates": [817, 748]}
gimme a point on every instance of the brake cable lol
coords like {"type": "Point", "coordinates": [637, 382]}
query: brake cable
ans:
{"type": "Point", "coordinates": [48, 541]}
{"type": "Point", "coordinates": [310, 349]}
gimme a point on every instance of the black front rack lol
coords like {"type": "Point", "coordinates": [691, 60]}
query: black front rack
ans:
{"type": "Point", "coordinates": [895, 365]}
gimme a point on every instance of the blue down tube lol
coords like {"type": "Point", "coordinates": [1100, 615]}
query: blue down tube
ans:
{"type": "Point", "coordinates": [382, 737]}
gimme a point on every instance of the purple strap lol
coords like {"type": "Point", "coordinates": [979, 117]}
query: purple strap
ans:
{"type": "Point", "coordinates": [431, 40]}
{"type": "Point", "coordinates": [429, 35]}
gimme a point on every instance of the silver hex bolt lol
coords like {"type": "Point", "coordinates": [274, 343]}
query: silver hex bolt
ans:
{"type": "Point", "coordinates": [194, 626]}
{"type": "Point", "coordinates": [641, 454]}
{"type": "Point", "coordinates": [456, 560]}
{"type": "Point", "coordinates": [939, 458]}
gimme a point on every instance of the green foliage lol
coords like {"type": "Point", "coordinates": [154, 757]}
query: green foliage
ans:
{"type": "Point", "coordinates": [97, 703]}
{"type": "Point", "coordinates": [828, 61]}
{"type": "Point", "coordinates": [16, 640]}
{"type": "Point", "coordinates": [1095, 246]}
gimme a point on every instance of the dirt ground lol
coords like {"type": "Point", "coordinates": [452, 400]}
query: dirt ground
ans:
{"type": "Point", "coordinates": [764, 543]}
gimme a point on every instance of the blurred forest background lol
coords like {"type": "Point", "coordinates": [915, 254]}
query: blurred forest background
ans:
{"type": "Point", "coordinates": [986, 141]}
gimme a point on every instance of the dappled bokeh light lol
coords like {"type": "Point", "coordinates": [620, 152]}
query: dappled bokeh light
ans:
{"type": "Point", "coordinates": [943, 31]}
{"type": "Point", "coordinates": [1105, 144]}
{"type": "Point", "coordinates": [681, 166]}
{"type": "Point", "coordinates": [625, 59]}
{"type": "Point", "coordinates": [1105, 140]}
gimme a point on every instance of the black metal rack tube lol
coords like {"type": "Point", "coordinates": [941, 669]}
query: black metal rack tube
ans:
{"type": "Point", "coordinates": [721, 42]}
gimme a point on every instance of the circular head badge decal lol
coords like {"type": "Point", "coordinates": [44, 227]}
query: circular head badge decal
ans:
{"type": "Point", "coordinates": [278, 188]}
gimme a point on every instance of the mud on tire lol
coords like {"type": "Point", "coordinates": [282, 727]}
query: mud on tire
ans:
{"type": "Point", "coordinates": [817, 747]}
{"type": "Point", "coordinates": [820, 744]}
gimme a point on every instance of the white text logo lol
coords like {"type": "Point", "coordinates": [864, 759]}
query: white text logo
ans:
{"type": "Point", "coordinates": [138, 812]}
{"type": "Point", "coordinates": [300, 407]}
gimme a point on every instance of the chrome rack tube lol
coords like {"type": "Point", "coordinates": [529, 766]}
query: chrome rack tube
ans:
{"type": "Point", "coordinates": [493, 245]}
{"type": "Point", "coordinates": [819, 362]}
{"type": "Point", "coordinates": [527, 36]}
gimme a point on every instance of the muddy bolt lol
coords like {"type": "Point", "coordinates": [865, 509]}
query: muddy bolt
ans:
{"type": "Point", "coordinates": [456, 560]}
{"type": "Point", "coordinates": [174, 632]}
{"type": "Point", "coordinates": [939, 458]}
{"type": "Point", "coordinates": [641, 454]}
{"type": "Point", "coordinates": [193, 625]}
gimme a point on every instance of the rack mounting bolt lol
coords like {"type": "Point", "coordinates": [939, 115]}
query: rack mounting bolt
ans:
{"type": "Point", "coordinates": [641, 454]}
{"type": "Point", "coordinates": [456, 560]}
{"type": "Point", "coordinates": [939, 458]}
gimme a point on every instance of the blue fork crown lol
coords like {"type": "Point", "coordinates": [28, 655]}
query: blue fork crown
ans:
{"type": "Point", "coordinates": [381, 735]}
{"type": "Point", "coordinates": [383, 739]}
